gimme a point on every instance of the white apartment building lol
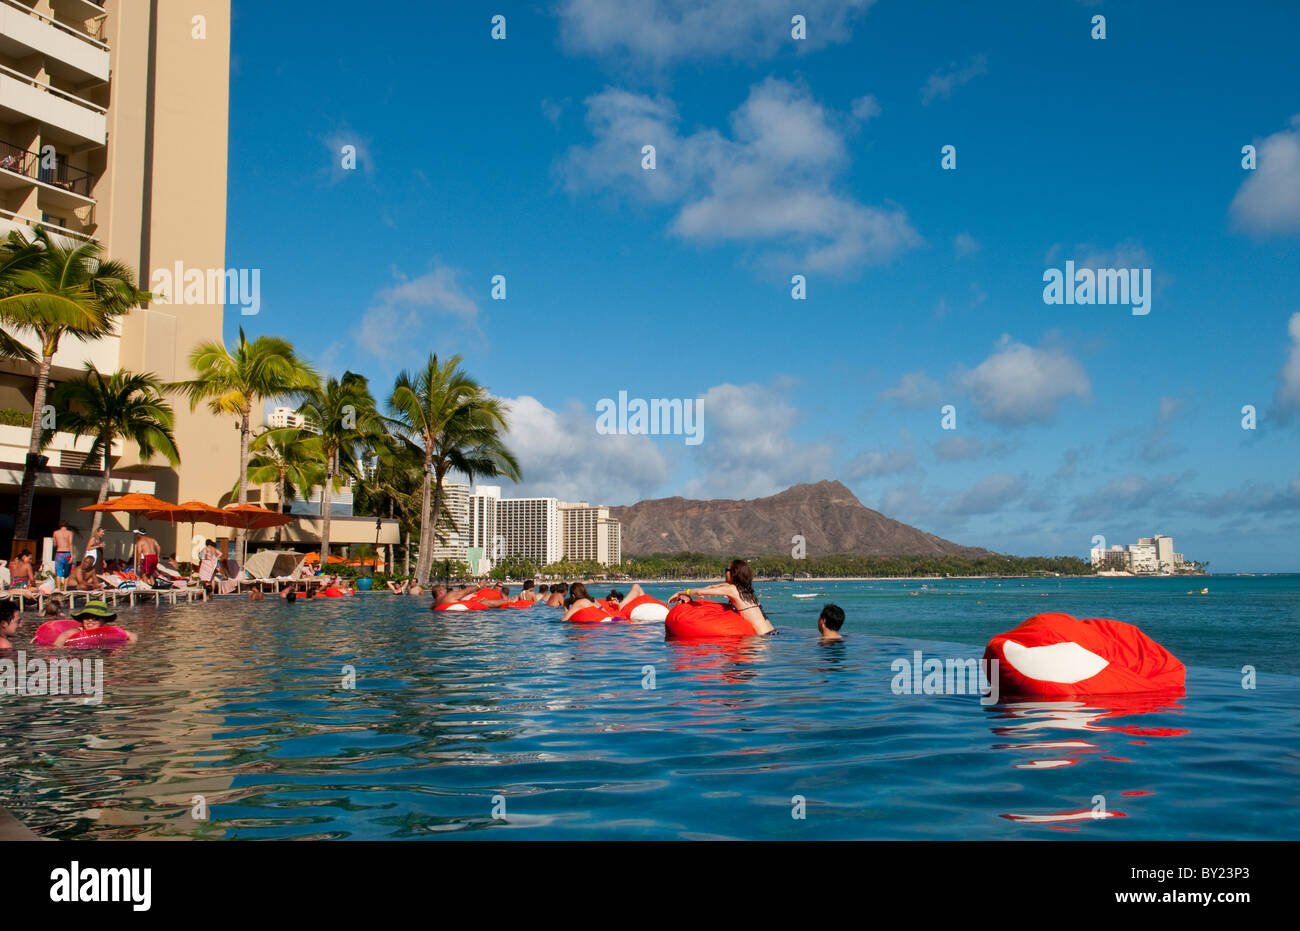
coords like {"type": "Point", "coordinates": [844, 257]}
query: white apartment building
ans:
{"type": "Point", "coordinates": [1142, 556]}
{"type": "Point", "coordinates": [455, 546]}
{"type": "Point", "coordinates": [528, 528]}
{"type": "Point", "coordinates": [589, 534]}
{"type": "Point", "coordinates": [1165, 559]}
{"type": "Point", "coordinates": [282, 417]}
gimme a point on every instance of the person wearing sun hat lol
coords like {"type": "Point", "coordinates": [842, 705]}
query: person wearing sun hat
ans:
{"type": "Point", "coordinates": [91, 615]}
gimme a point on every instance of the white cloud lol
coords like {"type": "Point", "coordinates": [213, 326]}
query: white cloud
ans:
{"type": "Point", "coordinates": [661, 32]}
{"type": "Point", "coordinates": [943, 83]}
{"type": "Point", "coordinates": [873, 463]}
{"type": "Point", "coordinates": [914, 390]}
{"type": "Point", "coordinates": [397, 313]}
{"type": "Point", "coordinates": [563, 456]}
{"type": "Point", "coordinates": [770, 182]}
{"type": "Point", "coordinates": [988, 495]}
{"type": "Point", "coordinates": [1288, 389]}
{"type": "Point", "coordinates": [1018, 384]}
{"type": "Point", "coordinates": [747, 450]}
{"type": "Point", "coordinates": [965, 244]}
{"type": "Point", "coordinates": [1268, 201]}
{"type": "Point", "coordinates": [865, 108]}
{"type": "Point", "coordinates": [957, 447]}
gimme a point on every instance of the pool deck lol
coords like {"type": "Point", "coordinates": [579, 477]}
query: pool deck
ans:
{"type": "Point", "coordinates": [11, 829]}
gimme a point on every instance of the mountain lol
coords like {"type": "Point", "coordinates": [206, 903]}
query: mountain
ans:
{"type": "Point", "coordinates": [830, 518]}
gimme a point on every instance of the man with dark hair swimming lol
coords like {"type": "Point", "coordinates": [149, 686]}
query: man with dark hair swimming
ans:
{"type": "Point", "coordinates": [830, 621]}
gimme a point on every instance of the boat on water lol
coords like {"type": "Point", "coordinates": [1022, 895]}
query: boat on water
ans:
{"type": "Point", "coordinates": [806, 595]}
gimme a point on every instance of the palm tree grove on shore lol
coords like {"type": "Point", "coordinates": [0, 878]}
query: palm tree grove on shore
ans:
{"type": "Point", "coordinates": [439, 420]}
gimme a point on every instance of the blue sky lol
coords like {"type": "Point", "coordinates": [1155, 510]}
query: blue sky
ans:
{"type": "Point", "coordinates": [821, 157]}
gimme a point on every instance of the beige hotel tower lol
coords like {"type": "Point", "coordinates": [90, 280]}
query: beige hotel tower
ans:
{"type": "Point", "coordinates": [113, 127]}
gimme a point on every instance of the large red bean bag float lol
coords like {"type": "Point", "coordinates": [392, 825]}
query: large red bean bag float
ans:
{"type": "Point", "coordinates": [696, 620]}
{"type": "Point", "coordinates": [48, 632]}
{"type": "Point", "coordinates": [1060, 656]}
{"type": "Point", "coordinates": [485, 594]}
{"type": "Point", "coordinates": [461, 606]}
{"type": "Point", "coordinates": [519, 604]}
{"type": "Point", "coordinates": [592, 614]}
{"type": "Point", "coordinates": [644, 608]}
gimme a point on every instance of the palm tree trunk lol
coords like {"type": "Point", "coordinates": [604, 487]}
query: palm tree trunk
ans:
{"type": "Point", "coordinates": [27, 493]}
{"type": "Point", "coordinates": [103, 491]}
{"type": "Point", "coordinates": [437, 508]}
{"type": "Point", "coordinates": [244, 432]}
{"type": "Point", "coordinates": [424, 564]}
{"type": "Point", "coordinates": [406, 555]}
{"type": "Point", "coordinates": [279, 531]}
{"type": "Point", "coordinates": [325, 496]}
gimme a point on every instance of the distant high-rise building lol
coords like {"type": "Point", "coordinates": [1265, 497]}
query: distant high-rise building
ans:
{"type": "Point", "coordinates": [589, 534]}
{"type": "Point", "coordinates": [456, 504]}
{"type": "Point", "coordinates": [1164, 552]}
{"type": "Point", "coordinates": [528, 528]}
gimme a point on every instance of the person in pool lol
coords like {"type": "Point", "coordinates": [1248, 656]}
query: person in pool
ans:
{"type": "Point", "coordinates": [830, 621]}
{"type": "Point", "coordinates": [577, 600]}
{"type": "Point", "coordinates": [93, 614]}
{"type": "Point", "coordinates": [11, 618]}
{"type": "Point", "coordinates": [529, 593]}
{"type": "Point", "coordinates": [559, 591]}
{"type": "Point", "coordinates": [738, 588]}
{"type": "Point", "coordinates": [441, 595]}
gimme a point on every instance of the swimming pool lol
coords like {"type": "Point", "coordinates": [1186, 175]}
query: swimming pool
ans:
{"type": "Point", "coordinates": [512, 725]}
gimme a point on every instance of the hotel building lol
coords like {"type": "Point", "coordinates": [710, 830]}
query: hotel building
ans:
{"type": "Point", "coordinates": [455, 544]}
{"type": "Point", "coordinates": [589, 534]}
{"type": "Point", "coordinates": [113, 128]}
{"type": "Point", "coordinates": [542, 530]}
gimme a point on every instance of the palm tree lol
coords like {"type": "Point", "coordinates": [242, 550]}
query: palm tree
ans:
{"type": "Point", "coordinates": [234, 380]}
{"type": "Point", "coordinates": [454, 424]}
{"type": "Point", "coordinates": [342, 412]}
{"type": "Point", "coordinates": [391, 486]}
{"type": "Point", "coordinates": [290, 458]}
{"type": "Point", "coordinates": [121, 406]}
{"type": "Point", "coordinates": [55, 288]}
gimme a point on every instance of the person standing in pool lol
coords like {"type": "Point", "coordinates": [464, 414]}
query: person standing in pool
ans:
{"type": "Point", "coordinates": [830, 621]}
{"type": "Point", "coordinates": [738, 588]}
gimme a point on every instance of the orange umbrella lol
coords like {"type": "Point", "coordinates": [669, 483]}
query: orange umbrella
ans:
{"type": "Point", "coordinates": [134, 503]}
{"type": "Point", "coordinates": [314, 557]}
{"type": "Point", "coordinates": [191, 512]}
{"type": "Point", "coordinates": [253, 517]}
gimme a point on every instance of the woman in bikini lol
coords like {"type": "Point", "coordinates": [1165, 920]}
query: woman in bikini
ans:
{"type": "Point", "coordinates": [738, 588]}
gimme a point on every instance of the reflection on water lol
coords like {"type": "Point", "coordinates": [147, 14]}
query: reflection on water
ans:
{"type": "Point", "coordinates": [1094, 716]}
{"type": "Point", "coordinates": [514, 725]}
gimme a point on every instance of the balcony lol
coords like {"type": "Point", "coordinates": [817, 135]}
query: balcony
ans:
{"type": "Point", "coordinates": [68, 49]}
{"type": "Point", "coordinates": [25, 98]}
{"type": "Point", "coordinates": [61, 179]}
{"type": "Point", "coordinates": [11, 221]}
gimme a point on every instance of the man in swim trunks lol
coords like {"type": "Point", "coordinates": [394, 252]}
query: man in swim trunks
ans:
{"type": "Point", "coordinates": [146, 551]}
{"type": "Point", "coordinates": [93, 614]}
{"type": "Point", "coordinates": [62, 554]}
{"type": "Point", "coordinates": [830, 621]}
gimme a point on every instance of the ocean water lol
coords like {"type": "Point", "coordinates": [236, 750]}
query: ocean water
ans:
{"type": "Point", "coordinates": [513, 725]}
